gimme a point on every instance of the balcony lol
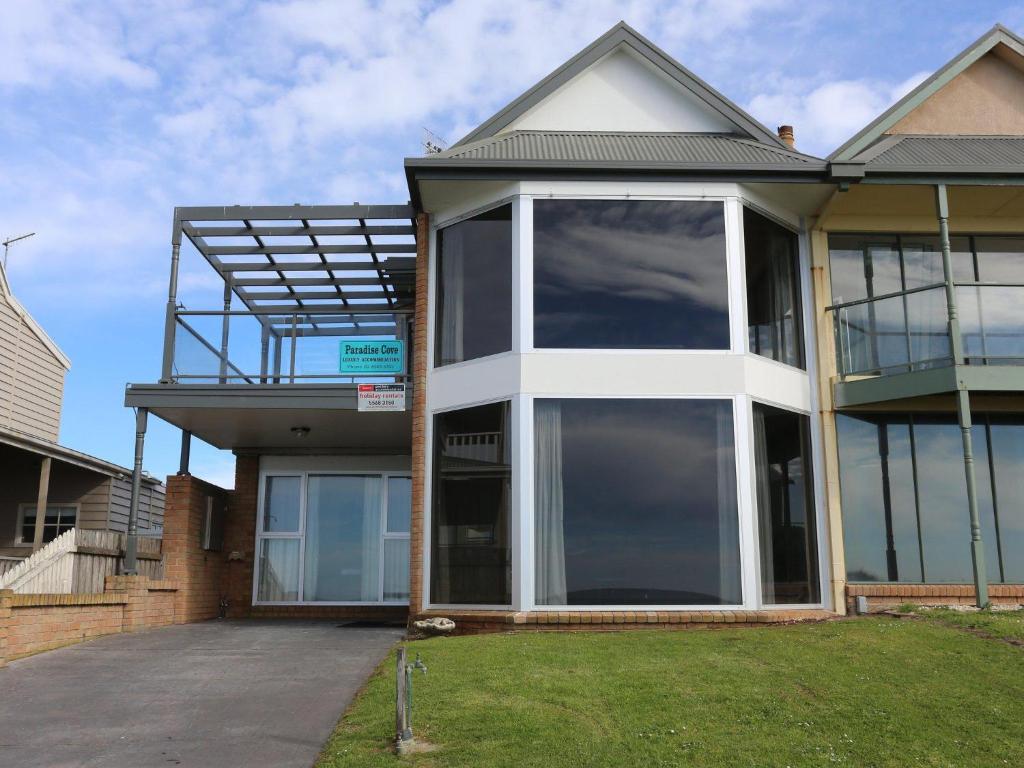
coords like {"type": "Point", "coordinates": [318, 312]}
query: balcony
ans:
{"type": "Point", "coordinates": [898, 345]}
{"type": "Point", "coordinates": [316, 300]}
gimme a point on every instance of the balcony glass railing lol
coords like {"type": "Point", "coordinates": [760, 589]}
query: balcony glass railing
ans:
{"type": "Point", "coordinates": [991, 323]}
{"type": "Point", "coordinates": [908, 331]}
{"type": "Point", "coordinates": [282, 348]}
{"type": "Point", "coordinates": [895, 333]}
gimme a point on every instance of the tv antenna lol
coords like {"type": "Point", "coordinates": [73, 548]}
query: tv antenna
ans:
{"type": "Point", "coordinates": [10, 241]}
{"type": "Point", "coordinates": [432, 143]}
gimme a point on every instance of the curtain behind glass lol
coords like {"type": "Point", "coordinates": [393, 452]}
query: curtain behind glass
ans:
{"type": "Point", "coordinates": [728, 517]}
{"type": "Point", "coordinates": [279, 570]}
{"type": "Point", "coordinates": [549, 503]}
{"type": "Point", "coordinates": [453, 291]}
{"type": "Point", "coordinates": [764, 518]}
{"type": "Point", "coordinates": [343, 538]}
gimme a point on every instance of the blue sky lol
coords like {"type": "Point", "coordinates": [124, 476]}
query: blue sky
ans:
{"type": "Point", "coordinates": [112, 113]}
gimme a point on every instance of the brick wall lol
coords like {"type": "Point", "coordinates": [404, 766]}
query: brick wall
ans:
{"type": "Point", "coordinates": [34, 623]}
{"type": "Point", "coordinates": [240, 536]}
{"type": "Point", "coordinates": [199, 574]}
{"type": "Point", "coordinates": [884, 596]}
{"type": "Point", "coordinates": [419, 416]}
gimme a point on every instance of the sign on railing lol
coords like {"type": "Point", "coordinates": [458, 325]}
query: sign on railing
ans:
{"type": "Point", "coordinates": [361, 356]}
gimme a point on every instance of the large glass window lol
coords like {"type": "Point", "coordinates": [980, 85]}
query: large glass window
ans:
{"type": "Point", "coordinates": [630, 274]}
{"type": "Point", "coordinates": [335, 538]}
{"type": "Point", "coordinates": [785, 502]}
{"type": "Point", "coordinates": [773, 290]}
{"type": "Point", "coordinates": [470, 561]}
{"type": "Point", "coordinates": [904, 495]}
{"type": "Point", "coordinates": [635, 502]}
{"type": "Point", "coordinates": [474, 287]}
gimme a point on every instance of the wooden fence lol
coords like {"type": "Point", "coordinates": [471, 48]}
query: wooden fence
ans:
{"type": "Point", "coordinates": [78, 561]}
{"type": "Point", "coordinates": [7, 563]}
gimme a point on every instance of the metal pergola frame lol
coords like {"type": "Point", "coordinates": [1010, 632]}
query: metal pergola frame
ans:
{"type": "Point", "coordinates": [321, 282]}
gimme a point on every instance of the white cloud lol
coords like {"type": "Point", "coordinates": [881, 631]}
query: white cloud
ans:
{"type": "Point", "coordinates": [42, 43]}
{"type": "Point", "coordinates": [826, 115]}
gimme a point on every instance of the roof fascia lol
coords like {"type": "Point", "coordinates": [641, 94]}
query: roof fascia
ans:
{"type": "Point", "coordinates": [621, 34]}
{"type": "Point", "coordinates": [877, 127]}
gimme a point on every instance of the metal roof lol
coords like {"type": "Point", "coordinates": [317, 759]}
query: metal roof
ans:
{"type": "Point", "coordinates": [998, 35]}
{"type": "Point", "coordinates": [974, 154]}
{"type": "Point", "coordinates": [622, 150]}
{"type": "Point", "coordinates": [623, 35]}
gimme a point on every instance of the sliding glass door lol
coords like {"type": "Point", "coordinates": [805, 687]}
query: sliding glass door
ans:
{"type": "Point", "coordinates": [334, 538]}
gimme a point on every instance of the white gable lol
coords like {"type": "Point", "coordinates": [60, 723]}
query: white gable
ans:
{"type": "Point", "coordinates": [622, 92]}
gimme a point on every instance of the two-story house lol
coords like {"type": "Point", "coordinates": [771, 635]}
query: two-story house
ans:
{"type": "Point", "coordinates": [626, 357]}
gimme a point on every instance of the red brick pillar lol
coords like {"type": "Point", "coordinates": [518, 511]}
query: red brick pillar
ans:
{"type": "Point", "coordinates": [240, 536]}
{"type": "Point", "coordinates": [419, 418]}
{"type": "Point", "coordinates": [197, 573]}
{"type": "Point", "coordinates": [5, 620]}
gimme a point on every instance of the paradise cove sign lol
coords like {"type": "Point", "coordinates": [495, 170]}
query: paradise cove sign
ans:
{"type": "Point", "coordinates": [363, 357]}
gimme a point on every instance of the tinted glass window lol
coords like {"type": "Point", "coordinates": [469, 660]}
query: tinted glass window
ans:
{"type": "Point", "coordinates": [904, 496]}
{"type": "Point", "coordinates": [470, 551]}
{"type": "Point", "coordinates": [474, 279]}
{"type": "Point", "coordinates": [773, 290]}
{"type": "Point", "coordinates": [1000, 259]}
{"type": "Point", "coordinates": [621, 274]}
{"type": "Point", "coordinates": [635, 502]}
{"type": "Point", "coordinates": [1007, 441]}
{"type": "Point", "coordinates": [785, 502]}
{"type": "Point", "coordinates": [867, 265]}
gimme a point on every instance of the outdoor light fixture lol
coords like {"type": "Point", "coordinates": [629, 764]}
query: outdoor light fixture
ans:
{"type": "Point", "coordinates": [300, 431]}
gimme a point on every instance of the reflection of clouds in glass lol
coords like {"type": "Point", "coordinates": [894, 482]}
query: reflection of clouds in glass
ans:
{"type": "Point", "coordinates": [628, 273]}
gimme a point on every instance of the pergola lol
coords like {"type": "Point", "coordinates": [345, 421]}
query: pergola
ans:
{"type": "Point", "coordinates": [300, 271]}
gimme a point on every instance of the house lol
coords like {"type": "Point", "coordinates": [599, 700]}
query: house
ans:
{"type": "Point", "coordinates": [36, 472]}
{"type": "Point", "coordinates": [626, 357]}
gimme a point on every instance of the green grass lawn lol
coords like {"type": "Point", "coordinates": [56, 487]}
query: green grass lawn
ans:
{"type": "Point", "coordinates": [1000, 624]}
{"type": "Point", "coordinates": [863, 692]}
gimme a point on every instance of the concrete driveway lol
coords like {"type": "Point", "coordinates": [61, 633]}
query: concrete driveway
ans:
{"type": "Point", "coordinates": [217, 693]}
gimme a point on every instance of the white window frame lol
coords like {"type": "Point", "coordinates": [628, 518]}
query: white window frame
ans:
{"type": "Point", "coordinates": [300, 535]}
{"type": "Point", "coordinates": [19, 541]}
{"type": "Point", "coordinates": [428, 506]}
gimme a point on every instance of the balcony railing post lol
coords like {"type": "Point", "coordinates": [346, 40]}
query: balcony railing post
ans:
{"type": "Point", "coordinates": [277, 358]}
{"type": "Point", "coordinates": [225, 329]}
{"type": "Point", "coordinates": [170, 320]}
{"type": "Point", "coordinates": [291, 365]}
{"type": "Point", "coordinates": [264, 352]}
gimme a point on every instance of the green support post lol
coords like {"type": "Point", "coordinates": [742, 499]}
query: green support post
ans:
{"type": "Point", "coordinates": [963, 401]}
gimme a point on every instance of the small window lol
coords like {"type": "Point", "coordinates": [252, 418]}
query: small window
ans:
{"type": "Point", "coordinates": [281, 505]}
{"type": "Point", "coordinates": [59, 519]}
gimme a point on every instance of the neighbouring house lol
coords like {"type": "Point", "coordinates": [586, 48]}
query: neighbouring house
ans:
{"type": "Point", "coordinates": [626, 357]}
{"type": "Point", "coordinates": [36, 472]}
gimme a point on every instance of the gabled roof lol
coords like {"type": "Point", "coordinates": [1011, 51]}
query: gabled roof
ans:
{"type": "Point", "coordinates": [602, 149]}
{"type": "Point", "coordinates": [877, 128]}
{"type": "Point", "coordinates": [36, 328]}
{"type": "Point", "coordinates": [623, 35]}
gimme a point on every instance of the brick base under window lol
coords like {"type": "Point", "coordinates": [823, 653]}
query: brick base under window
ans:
{"type": "Point", "coordinates": [470, 622]}
{"type": "Point", "coordinates": [882, 597]}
